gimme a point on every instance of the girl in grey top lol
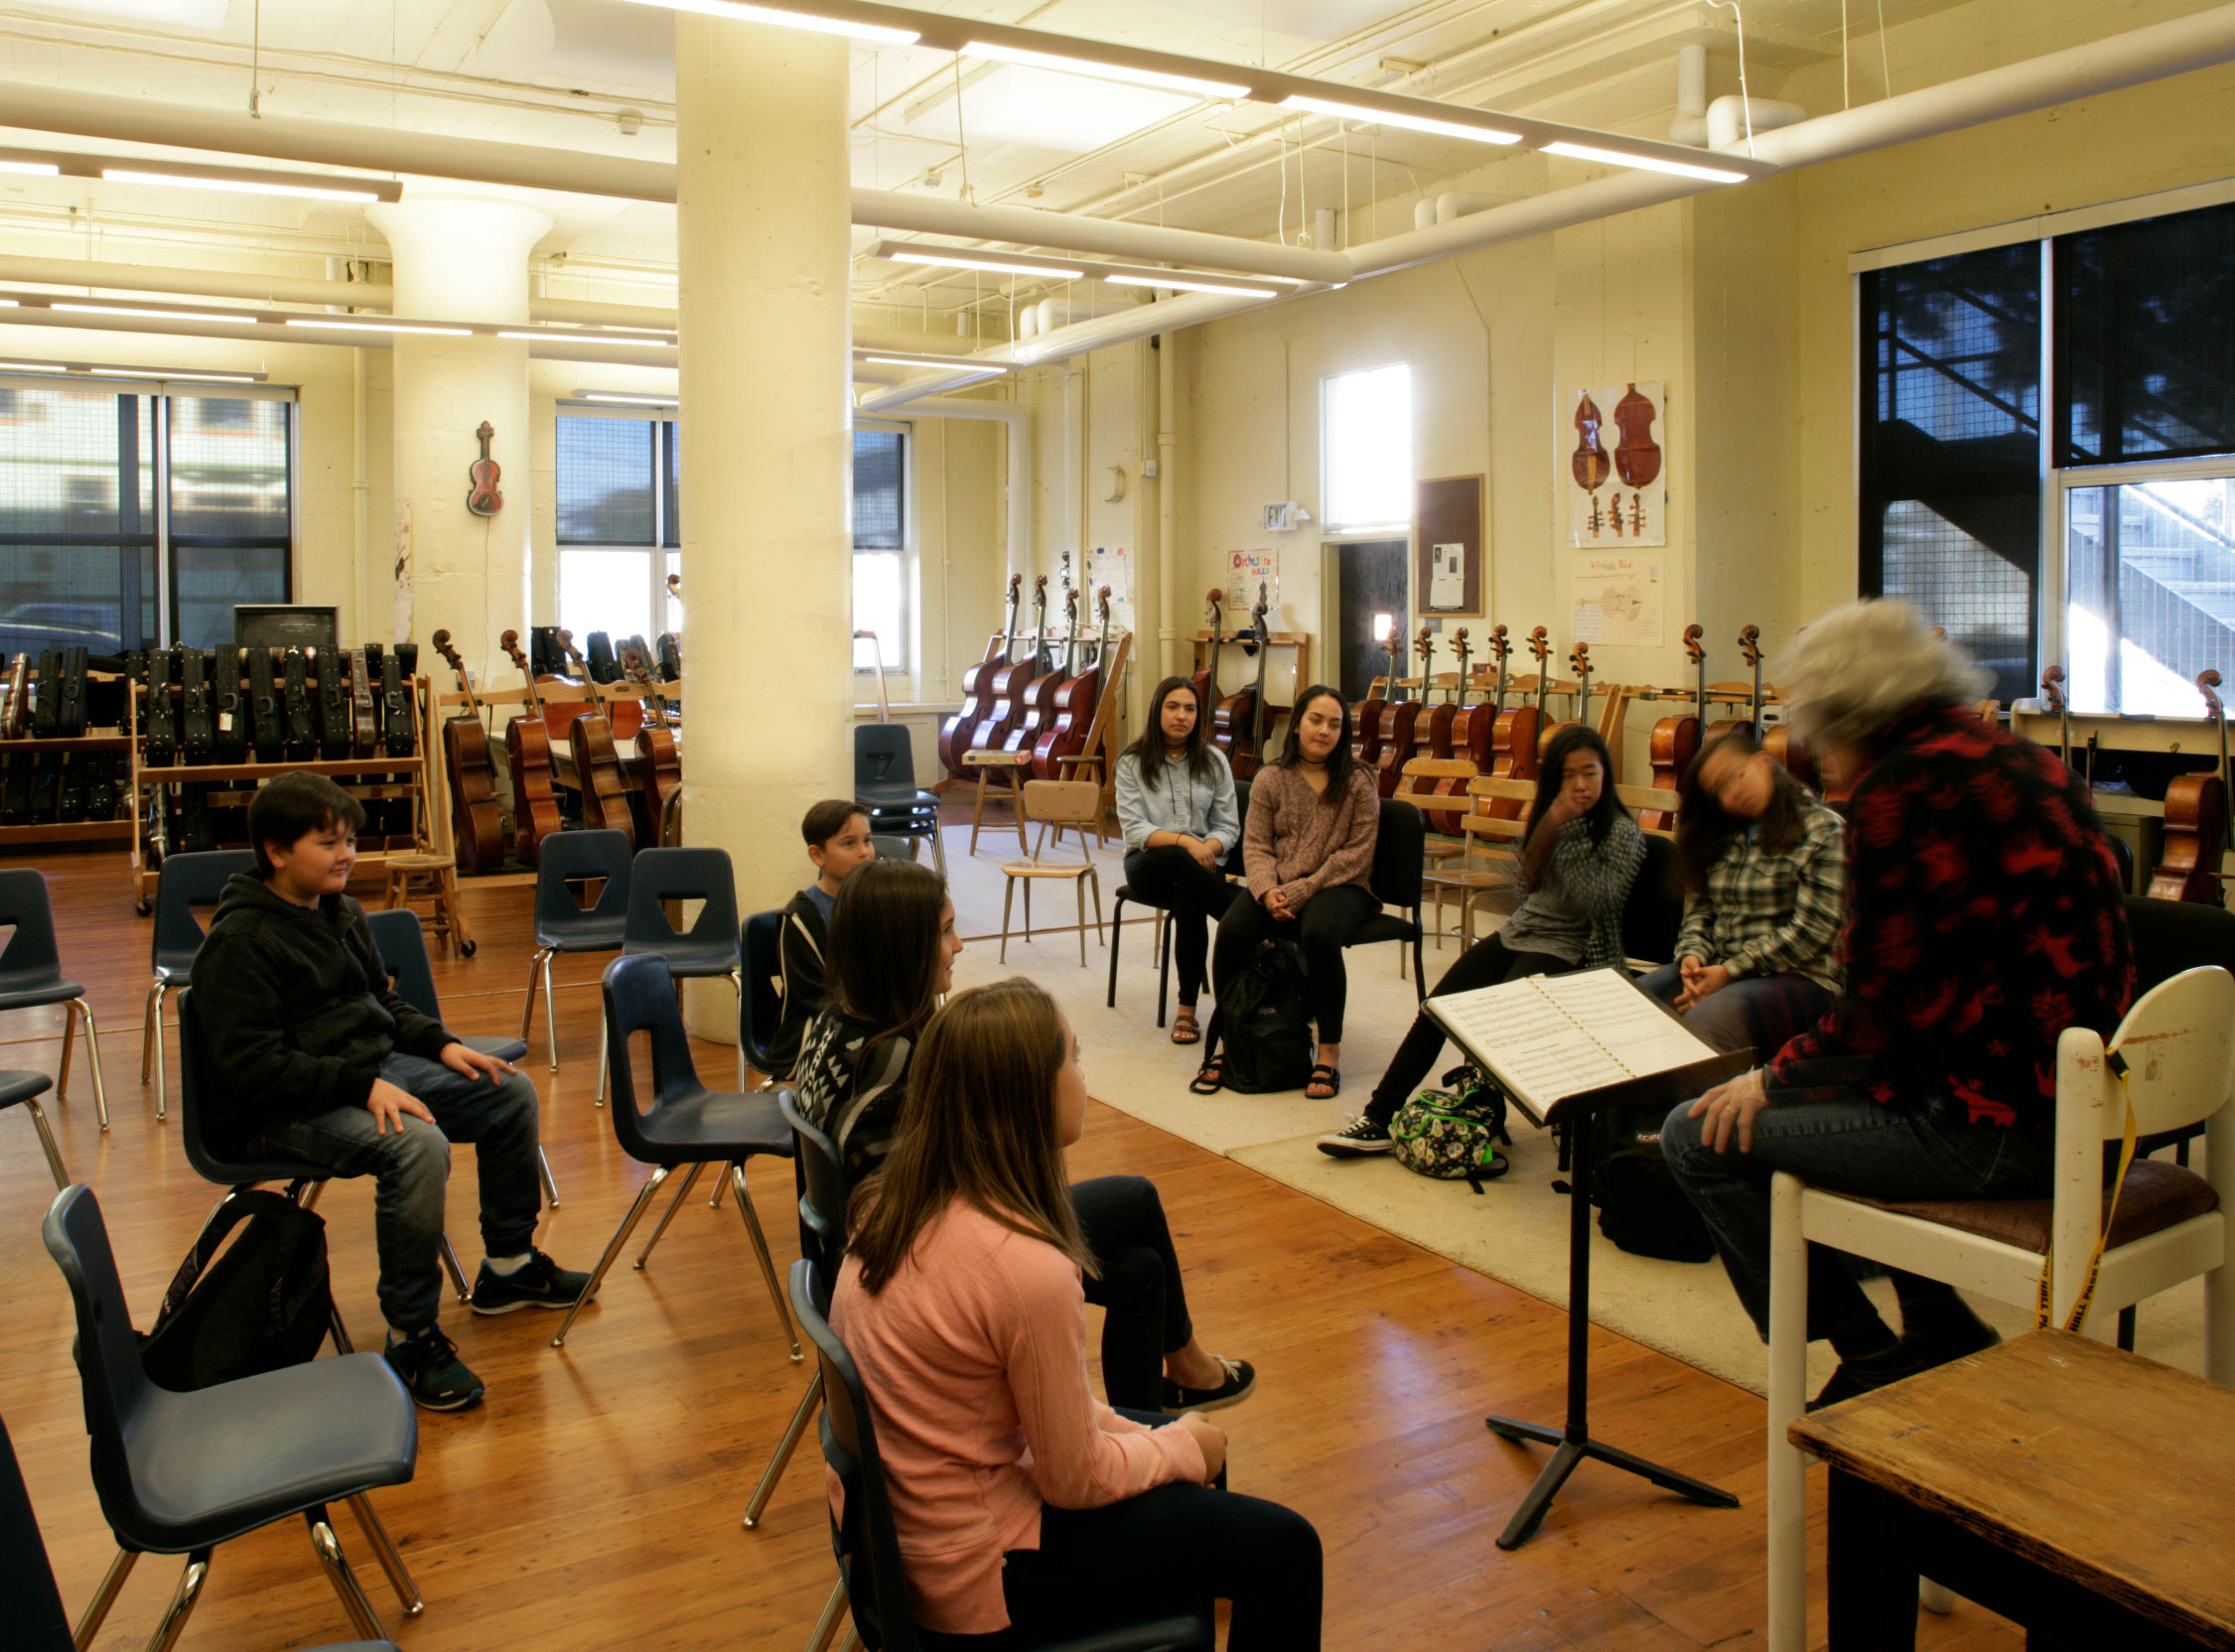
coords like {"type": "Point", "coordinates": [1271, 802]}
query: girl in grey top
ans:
{"type": "Point", "coordinates": [1176, 801]}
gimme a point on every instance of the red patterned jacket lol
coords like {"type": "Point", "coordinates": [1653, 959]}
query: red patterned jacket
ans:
{"type": "Point", "coordinates": [1985, 916]}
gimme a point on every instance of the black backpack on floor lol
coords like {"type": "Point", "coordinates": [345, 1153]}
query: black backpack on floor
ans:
{"type": "Point", "coordinates": [1262, 1028]}
{"type": "Point", "coordinates": [262, 1304]}
{"type": "Point", "coordinates": [1640, 1207]}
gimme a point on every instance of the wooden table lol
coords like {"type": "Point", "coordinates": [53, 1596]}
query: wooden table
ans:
{"type": "Point", "coordinates": [2085, 1493]}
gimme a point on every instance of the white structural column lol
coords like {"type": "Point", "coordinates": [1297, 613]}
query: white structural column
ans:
{"type": "Point", "coordinates": [460, 256]}
{"type": "Point", "coordinates": [763, 232]}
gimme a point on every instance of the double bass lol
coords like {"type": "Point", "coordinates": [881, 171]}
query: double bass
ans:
{"type": "Point", "coordinates": [477, 824]}
{"type": "Point", "coordinates": [1074, 708]}
{"type": "Point", "coordinates": [1237, 712]}
{"type": "Point", "coordinates": [1676, 740]}
{"type": "Point", "coordinates": [2188, 868]}
{"type": "Point", "coordinates": [955, 732]}
{"type": "Point", "coordinates": [1039, 693]}
{"type": "Point", "coordinates": [1637, 457]}
{"type": "Point", "coordinates": [527, 763]}
{"type": "Point", "coordinates": [1247, 755]}
{"type": "Point", "coordinates": [1005, 687]}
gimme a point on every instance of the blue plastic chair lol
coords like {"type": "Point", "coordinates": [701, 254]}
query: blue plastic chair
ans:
{"type": "Point", "coordinates": [30, 973]}
{"type": "Point", "coordinates": [402, 941]}
{"type": "Point", "coordinates": [30, 1604]}
{"type": "Point", "coordinates": [885, 780]}
{"type": "Point", "coordinates": [871, 1578]}
{"type": "Point", "coordinates": [685, 1123]}
{"type": "Point", "coordinates": [561, 923]}
{"type": "Point", "coordinates": [180, 1474]}
{"type": "Point", "coordinates": [184, 883]}
{"type": "Point", "coordinates": [24, 1089]}
{"type": "Point", "coordinates": [761, 1002]}
{"type": "Point", "coordinates": [710, 946]}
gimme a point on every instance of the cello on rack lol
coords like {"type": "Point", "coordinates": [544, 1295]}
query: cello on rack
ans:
{"type": "Point", "coordinates": [1248, 756]}
{"type": "Point", "coordinates": [528, 762]}
{"type": "Point", "coordinates": [1005, 688]}
{"type": "Point", "coordinates": [955, 732]}
{"type": "Point", "coordinates": [1366, 721]}
{"type": "Point", "coordinates": [1237, 712]}
{"type": "Point", "coordinates": [1513, 733]}
{"type": "Point", "coordinates": [1039, 693]}
{"type": "Point", "coordinates": [1394, 738]}
{"type": "Point", "coordinates": [2188, 868]}
{"type": "Point", "coordinates": [1676, 740]}
{"type": "Point", "coordinates": [477, 824]}
{"type": "Point", "coordinates": [1074, 708]}
{"type": "Point", "coordinates": [1205, 678]}
{"type": "Point", "coordinates": [1432, 733]}
{"type": "Point", "coordinates": [1469, 740]}
{"type": "Point", "coordinates": [1579, 661]}
{"type": "Point", "coordinates": [660, 765]}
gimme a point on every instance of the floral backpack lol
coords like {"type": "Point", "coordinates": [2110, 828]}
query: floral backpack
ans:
{"type": "Point", "coordinates": [1452, 1134]}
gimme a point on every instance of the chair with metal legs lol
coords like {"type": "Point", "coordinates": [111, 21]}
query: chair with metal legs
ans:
{"type": "Point", "coordinates": [185, 881]}
{"type": "Point", "coordinates": [237, 1173]}
{"type": "Point", "coordinates": [180, 1474]}
{"type": "Point", "coordinates": [562, 924]}
{"type": "Point", "coordinates": [30, 1604]}
{"type": "Point", "coordinates": [25, 1088]}
{"type": "Point", "coordinates": [710, 946]}
{"type": "Point", "coordinates": [686, 1124]}
{"type": "Point", "coordinates": [30, 973]}
{"type": "Point", "coordinates": [822, 1242]}
{"type": "Point", "coordinates": [872, 1580]}
{"type": "Point", "coordinates": [403, 948]}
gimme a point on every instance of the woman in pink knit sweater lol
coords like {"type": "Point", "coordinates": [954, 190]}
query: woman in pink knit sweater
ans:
{"type": "Point", "coordinates": [1024, 1507]}
{"type": "Point", "coordinates": [1308, 845]}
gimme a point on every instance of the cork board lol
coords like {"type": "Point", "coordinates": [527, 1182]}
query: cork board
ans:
{"type": "Point", "coordinates": [1448, 511]}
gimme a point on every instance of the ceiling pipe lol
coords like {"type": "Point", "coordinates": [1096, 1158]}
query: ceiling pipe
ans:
{"type": "Point", "coordinates": [274, 337]}
{"type": "Point", "coordinates": [577, 172]}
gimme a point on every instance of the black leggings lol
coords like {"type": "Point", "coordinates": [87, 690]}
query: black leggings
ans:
{"type": "Point", "coordinates": [1175, 1548]}
{"type": "Point", "coordinates": [1145, 1305]}
{"type": "Point", "coordinates": [1484, 964]}
{"type": "Point", "coordinates": [1195, 894]}
{"type": "Point", "coordinates": [1323, 927]}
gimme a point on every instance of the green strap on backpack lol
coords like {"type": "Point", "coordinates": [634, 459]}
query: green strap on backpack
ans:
{"type": "Point", "coordinates": [1452, 1134]}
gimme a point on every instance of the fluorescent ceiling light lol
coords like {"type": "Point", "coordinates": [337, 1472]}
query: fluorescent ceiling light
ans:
{"type": "Point", "coordinates": [9, 303]}
{"type": "Point", "coordinates": [1192, 284]}
{"type": "Point", "coordinates": [1107, 72]}
{"type": "Point", "coordinates": [156, 315]}
{"type": "Point", "coordinates": [380, 327]}
{"type": "Point", "coordinates": [982, 261]}
{"type": "Point", "coordinates": [547, 338]}
{"type": "Point", "coordinates": [160, 373]}
{"type": "Point", "coordinates": [631, 400]}
{"type": "Point", "coordinates": [1650, 163]}
{"type": "Point", "coordinates": [1411, 122]}
{"type": "Point", "coordinates": [961, 363]}
{"type": "Point", "coordinates": [663, 332]}
{"type": "Point", "coordinates": [234, 185]}
{"type": "Point", "coordinates": [37, 169]}
{"type": "Point", "coordinates": [791, 20]}
{"type": "Point", "coordinates": [28, 367]}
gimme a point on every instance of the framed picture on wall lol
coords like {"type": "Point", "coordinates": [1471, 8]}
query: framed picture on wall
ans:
{"type": "Point", "coordinates": [1449, 576]}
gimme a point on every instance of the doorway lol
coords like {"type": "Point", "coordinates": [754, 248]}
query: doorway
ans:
{"type": "Point", "coordinates": [1370, 593]}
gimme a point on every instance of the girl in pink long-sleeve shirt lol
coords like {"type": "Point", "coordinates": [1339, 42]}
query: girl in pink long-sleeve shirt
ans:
{"type": "Point", "coordinates": [1019, 1499]}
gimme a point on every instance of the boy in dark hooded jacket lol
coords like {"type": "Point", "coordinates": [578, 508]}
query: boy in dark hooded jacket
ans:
{"type": "Point", "coordinates": [321, 1061]}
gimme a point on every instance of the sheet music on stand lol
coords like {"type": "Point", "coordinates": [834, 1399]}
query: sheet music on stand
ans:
{"type": "Point", "coordinates": [1551, 1038]}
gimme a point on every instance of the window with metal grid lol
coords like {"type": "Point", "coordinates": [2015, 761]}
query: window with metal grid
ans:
{"type": "Point", "coordinates": [879, 548]}
{"type": "Point", "coordinates": [229, 487]}
{"type": "Point", "coordinates": [603, 480]}
{"type": "Point", "coordinates": [77, 519]}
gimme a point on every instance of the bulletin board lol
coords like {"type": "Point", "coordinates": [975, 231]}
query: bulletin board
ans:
{"type": "Point", "coordinates": [1447, 530]}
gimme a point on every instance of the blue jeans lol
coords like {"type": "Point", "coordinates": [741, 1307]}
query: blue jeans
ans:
{"type": "Point", "coordinates": [1841, 1140]}
{"type": "Point", "coordinates": [1760, 1013]}
{"type": "Point", "coordinates": [411, 1173]}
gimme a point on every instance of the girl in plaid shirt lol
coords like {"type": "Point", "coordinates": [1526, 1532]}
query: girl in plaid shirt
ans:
{"type": "Point", "coordinates": [1765, 883]}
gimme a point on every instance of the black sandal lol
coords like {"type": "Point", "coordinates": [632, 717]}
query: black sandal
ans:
{"type": "Point", "coordinates": [1183, 1023]}
{"type": "Point", "coordinates": [1210, 1079]}
{"type": "Point", "coordinates": [1324, 1074]}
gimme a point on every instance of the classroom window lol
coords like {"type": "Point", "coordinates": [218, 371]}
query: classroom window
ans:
{"type": "Point", "coordinates": [880, 545]}
{"type": "Point", "coordinates": [83, 558]}
{"type": "Point", "coordinates": [1366, 450]}
{"type": "Point", "coordinates": [617, 485]}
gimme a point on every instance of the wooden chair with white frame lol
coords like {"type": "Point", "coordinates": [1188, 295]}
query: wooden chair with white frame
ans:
{"type": "Point", "coordinates": [1493, 848]}
{"type": "Point", "coordinates": [2169, 1224]}
{"type": "Point", "coordinates": [1056, 804]}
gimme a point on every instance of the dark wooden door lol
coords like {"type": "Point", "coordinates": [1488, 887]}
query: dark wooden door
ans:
{"type": "Point", "coordinates": [1370, 582]}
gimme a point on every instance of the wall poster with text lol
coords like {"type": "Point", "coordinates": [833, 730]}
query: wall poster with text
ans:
{"type": "Point", "coordinates": [1245, 572]}
{"type": "Point", "coordinates": [1618, 494]}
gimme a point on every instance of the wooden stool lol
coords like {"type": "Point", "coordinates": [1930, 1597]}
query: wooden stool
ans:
{"type": "Point", "coordinates": [438, 874]}
{"type": "Point", "coordinates": [1011, 767]}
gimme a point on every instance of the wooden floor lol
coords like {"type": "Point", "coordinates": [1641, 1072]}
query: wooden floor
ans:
{"type": "Point", "coordinates": [592, 1501]}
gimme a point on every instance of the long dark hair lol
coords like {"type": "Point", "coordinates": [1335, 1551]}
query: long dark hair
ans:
{"type": "Point", "coordinates": [1566, 741]}
{"type": "Point", "coordinates": [978, 1124]}
{"type": "Point", "coordinates": [882, 963]}
{"type": "Point", "coordinates": [1704, 828]}
{"type": "Point", "coordinates": [1147, 749]}
{"type": "Point", "coordinates": [1339, 762]}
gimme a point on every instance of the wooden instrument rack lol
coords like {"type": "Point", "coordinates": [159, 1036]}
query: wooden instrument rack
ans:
{"type": "Point", "coordinates": [70, 831]}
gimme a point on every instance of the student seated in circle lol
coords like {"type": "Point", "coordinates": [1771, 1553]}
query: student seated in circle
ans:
{"type": "Point", "coordinates": [1764, 868]}
{"type": "Point", "coordinates": [1308, 850]}
{"type": "Point", "coordinates": [1176, 801]}
{"type": "Point", "coordinates": [890, 959]}
{"type": "Point", "coordinates": [1020, 1504]}
{"type": "Point", "coordinates": [1580, 854]}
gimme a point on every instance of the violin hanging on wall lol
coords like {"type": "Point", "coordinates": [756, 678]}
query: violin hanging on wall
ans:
{"type": "Point", "coordinates": [484, 500]}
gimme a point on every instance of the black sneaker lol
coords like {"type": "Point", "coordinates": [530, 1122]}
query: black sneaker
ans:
{"type": "Point", "coordinates": [428, 1365]}
{"type": "Point", "coordinates": [1240, 1383]}
{"type": "Point", "coordinates": [536, 1282]}
{"type": "Point", "coordinates": [1357, 1139]}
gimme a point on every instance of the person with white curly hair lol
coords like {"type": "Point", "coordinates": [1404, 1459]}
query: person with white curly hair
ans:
{"type": "Point", "coordinates": [1985, 917]}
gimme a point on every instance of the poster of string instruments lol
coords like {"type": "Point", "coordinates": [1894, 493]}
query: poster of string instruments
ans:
{"type": "Point", "coordinates": [1616, 493]}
